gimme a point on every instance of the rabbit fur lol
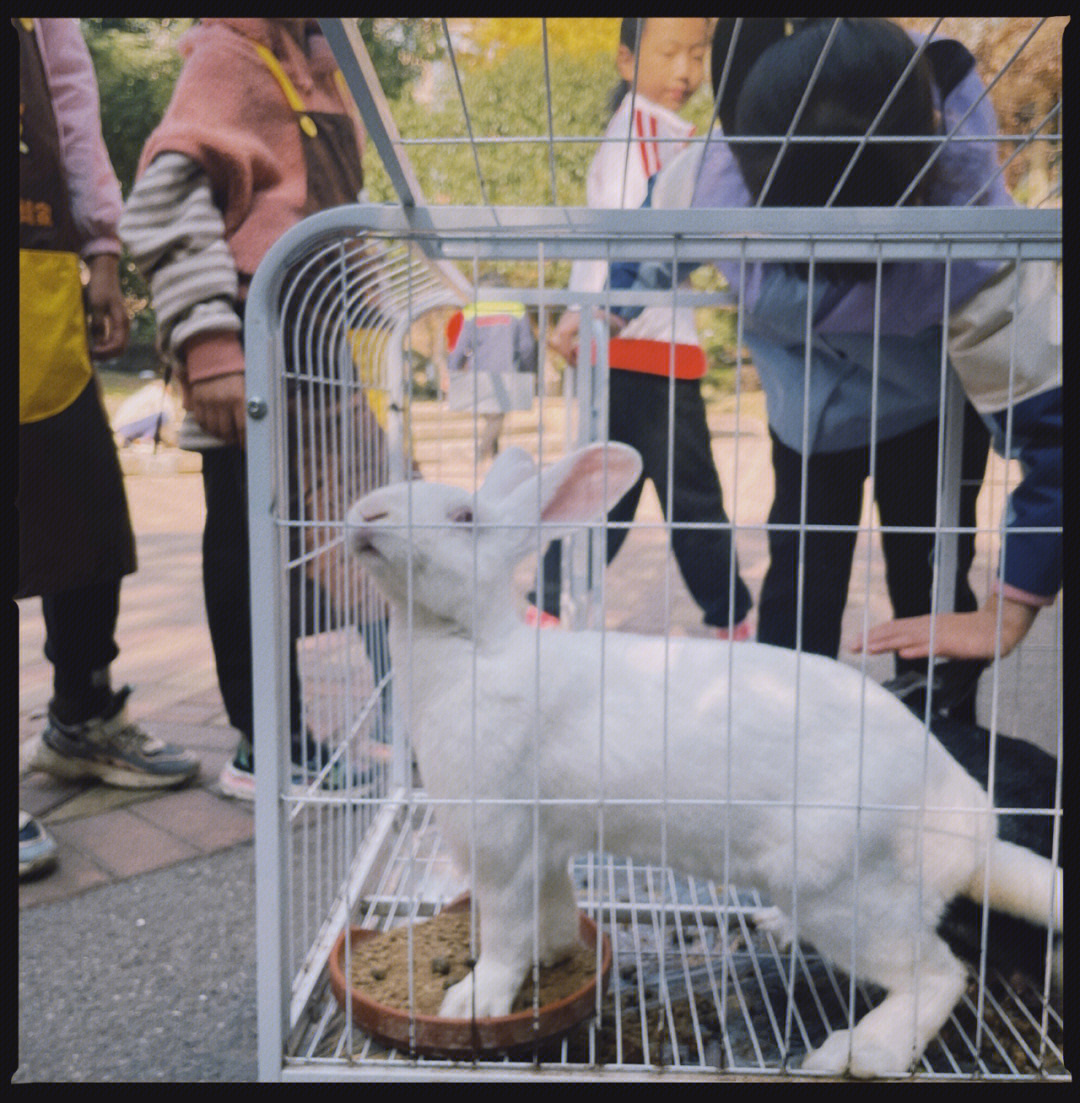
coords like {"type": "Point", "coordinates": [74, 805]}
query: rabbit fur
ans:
{"type": "Point", "coordinates": [748, 764]}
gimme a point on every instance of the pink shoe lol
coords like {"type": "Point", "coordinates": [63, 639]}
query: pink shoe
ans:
{"type": "Point", "coordinates": [546, 620]}
{"type": "Point", "coordinates": [739, 634]}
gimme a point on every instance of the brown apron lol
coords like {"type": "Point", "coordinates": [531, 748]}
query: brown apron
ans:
{"type": "Point", "coordinates": [337, 447]}
{"type": "Point", "coordinates": [74, 528]}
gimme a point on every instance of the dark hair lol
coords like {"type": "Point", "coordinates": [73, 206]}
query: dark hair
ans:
{"type": "Point", "coordinates": [864, 62]}
{"type": "Point", "coordinates": [628, 36]}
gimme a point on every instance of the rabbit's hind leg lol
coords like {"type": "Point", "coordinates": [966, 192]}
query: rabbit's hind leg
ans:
{"type": "Point", "coordinates": [887, 1040]}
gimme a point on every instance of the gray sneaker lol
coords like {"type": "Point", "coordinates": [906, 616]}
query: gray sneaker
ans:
{"type": "Point", "coordinates": [37, 848]}
{"type": "Point", "coordinates": [114, 750]}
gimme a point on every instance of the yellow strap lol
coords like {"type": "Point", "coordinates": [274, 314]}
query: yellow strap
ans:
{"type": "Point", "coordinates": [483, 309]}
{"type": "Point", "coordinates": [54, 358]}
{"type": "Point", "coordinates": [307, 123]}
{"type": "Point", "coordinates": [342, 86]}
{"type": "Point", "coordinates": [366, 346]}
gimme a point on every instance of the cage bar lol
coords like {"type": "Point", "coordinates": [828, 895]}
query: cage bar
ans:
{"type": "Point", "coordinates": [703, 983]}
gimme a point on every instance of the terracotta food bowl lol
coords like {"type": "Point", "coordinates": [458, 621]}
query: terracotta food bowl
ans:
{"type": "Point", "coordinates": [434, 1036]}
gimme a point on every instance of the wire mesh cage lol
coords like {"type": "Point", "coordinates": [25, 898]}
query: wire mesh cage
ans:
{"type": "Point", "coordinates": [348, 325]}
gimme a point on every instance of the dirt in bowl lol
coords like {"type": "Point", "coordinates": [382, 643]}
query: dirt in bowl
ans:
{"type": "Point", "coordinates": [441, 956]}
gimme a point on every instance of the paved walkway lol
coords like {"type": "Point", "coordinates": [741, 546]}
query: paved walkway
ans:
{"type": "Point", "coordinates": [108, 834]}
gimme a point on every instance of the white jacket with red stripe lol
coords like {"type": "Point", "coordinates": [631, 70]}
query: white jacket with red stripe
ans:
{"type": "Point", "coordinates": [621, 180]}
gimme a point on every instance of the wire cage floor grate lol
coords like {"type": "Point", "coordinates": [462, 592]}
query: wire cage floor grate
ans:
{"type": "Point", "coordinates": [702, 983]}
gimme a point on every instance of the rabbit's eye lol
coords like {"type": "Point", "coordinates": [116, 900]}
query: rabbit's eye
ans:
{"type": "Point", "coordinates": [462, 515]}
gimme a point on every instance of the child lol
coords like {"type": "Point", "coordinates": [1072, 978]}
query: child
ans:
{"type": "Point", "coordinates": [669, 67]}
{"type": "Point", "coordinates": [871, 55]}
{"type": "Point", "coordinates": [496, 340]}
{"type": "Point", "coordinates": [257, 136]}
{"type": "Point", "coordinates": [1014, 380]}
{"type": "Point", "coordinates": [75, 537]}
{"type": "Point", "coordinates": [900, 369]}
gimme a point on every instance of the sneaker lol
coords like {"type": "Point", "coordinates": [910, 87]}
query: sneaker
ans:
{"type": "Point", "coordinates": [237, 779]}
{"type": "Point", "coordinates": [309, 765]}
{"type": "Point", "coordinates": [739, 634]}
{"type": "Point", "coordinates": [37, 848]}
{"type": "Point", "coordinates": [110, 748]}
{"type": "Point", "coordinates": [534, 616]}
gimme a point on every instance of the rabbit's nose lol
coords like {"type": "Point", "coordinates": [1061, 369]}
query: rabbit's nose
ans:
{"type": "Point", "coordinates": [359, 521]}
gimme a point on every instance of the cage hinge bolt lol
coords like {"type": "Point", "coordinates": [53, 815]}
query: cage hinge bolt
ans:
{"type": "Point", "coordinates": [257, 408]}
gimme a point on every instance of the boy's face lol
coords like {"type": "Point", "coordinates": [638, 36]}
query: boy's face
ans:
{"type": "Point", "coordinates": [671, 62]}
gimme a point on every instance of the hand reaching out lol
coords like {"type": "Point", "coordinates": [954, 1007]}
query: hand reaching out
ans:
{"type": "Point", "coordinates": [955, 635]}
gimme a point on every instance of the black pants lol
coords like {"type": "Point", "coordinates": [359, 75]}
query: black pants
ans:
{"type": "Point", "coordinates": [226, 587]}
{"type": "Point", "coordinates": [905, 489]}
{"type": "Point", "coordinates": [75, 543]}
{"type": "Point", "coordinates": [638, 415]}
{"type": "Point", "coordinates": [80, 643]}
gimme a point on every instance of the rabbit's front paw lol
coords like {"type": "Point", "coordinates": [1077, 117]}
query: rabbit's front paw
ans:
{"type": "Point", "coordinates": [487, 991]}
{"type": "Point", "coordinates": [773, 921]}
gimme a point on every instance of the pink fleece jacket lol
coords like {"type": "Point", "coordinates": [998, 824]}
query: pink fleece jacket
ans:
{"type": "Point", "coordinates": [229, 114]}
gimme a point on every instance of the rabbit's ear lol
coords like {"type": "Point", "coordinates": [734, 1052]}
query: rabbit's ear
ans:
{"type": "Point", "coordinates": [580, 488]}
{"type": "Point", "coordinates": [511, 468]}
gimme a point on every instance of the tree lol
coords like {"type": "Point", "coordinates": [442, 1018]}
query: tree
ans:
{"type": "Point", "coordinates": [588, 38]}
{"type": "Point", "coordinates": [1026, 78]}
{"type": "Point", "coordinates": [400, 49]}
{"type": "Point", "coordinates": [137, 65]}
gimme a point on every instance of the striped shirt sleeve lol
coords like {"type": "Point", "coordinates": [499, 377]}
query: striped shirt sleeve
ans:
{"type": "Point", "coordinates": [176, 237]}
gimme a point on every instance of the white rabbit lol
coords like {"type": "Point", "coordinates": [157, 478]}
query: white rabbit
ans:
{"type": "Point", "coordinates": [745, 763]}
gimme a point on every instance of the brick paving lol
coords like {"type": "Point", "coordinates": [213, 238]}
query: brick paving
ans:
{"type": "Point", "coordinates": [107, 834]}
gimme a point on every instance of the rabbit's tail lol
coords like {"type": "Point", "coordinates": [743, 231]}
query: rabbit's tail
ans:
{"type": "Point", "coordinates": [1021, 883]}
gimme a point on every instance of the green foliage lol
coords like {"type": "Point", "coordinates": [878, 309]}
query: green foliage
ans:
{"type": "Point", "coordinates": [137, 65]}
{"type": "Point", "coordinates": [508, 100]}
{"type": "Point", "coordinates": [400, 48]}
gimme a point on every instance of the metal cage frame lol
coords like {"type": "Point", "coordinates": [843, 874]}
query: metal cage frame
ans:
{"type": "Point", "coordinates": [324, 857]}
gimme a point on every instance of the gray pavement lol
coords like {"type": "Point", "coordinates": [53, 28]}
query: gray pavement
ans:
{"type": "Point", "coordinates": [149, 978]}
{"type": "Point", "coordinates": [136, 957]}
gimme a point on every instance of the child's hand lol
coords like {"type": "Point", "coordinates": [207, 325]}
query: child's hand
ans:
{"type": "Point", "coordinates": [218, 404]}
{"type": "Point", "coordinates": [563, 338]}
{"type": "Point", "coordinates": [214, 362]}
{"type": "Point", "coordinates": [956, 635]}
{"type": "Point", "coordinates": [107, 319]}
